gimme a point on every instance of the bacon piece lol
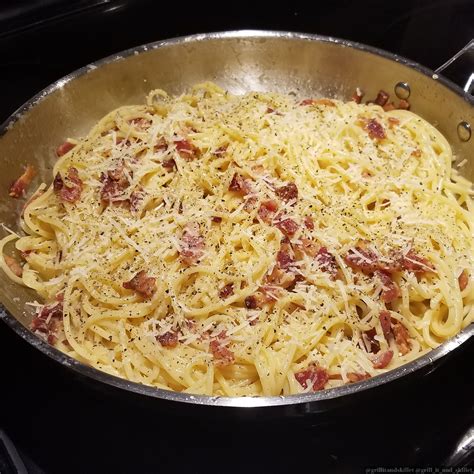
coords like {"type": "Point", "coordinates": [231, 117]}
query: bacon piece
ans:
{"type": "Point", "coordinates": [388, 107]}
{"type": "Point", "coordinates": [308, 222]}
{"type": "Point", "coordinates": [463, 280]}
{"type": "Point", "coordinates": [168, 339]}
{"type": "Point", "coordinates": [280, 278]}
{"type": "Point", "coordinates": [221, 150]}
{"type": "Point", "coordinates": [18, 188]}
{"type": "Point", "coordinates": [371, 344]}
{"type": "Point", "coordinates": [136, 198]}
{"type": "Point", "coordinates": [114, 184]}
{"type": "Point", "coordinates": [401, 337]}
{"type": "Point", "coordinates": [287, 226]}
{"type": "Point", "coordinates": [404, 104]}
{"type": "Point", "coordinates": [362, 259]}
{"type": "Point", "coordinates": [382, 98]}
{"type": "Point", "coordinates": [327, 262]}
{"type": "Point", "coordinates": [357, 96]}
{"type": "Point", "coordinates": [284, 258]}
{"type": "Point", "coordinates": [216, 219]}
{"type": "Point", "coordinates": [385, 323]}
{"type": "Point", "coordinates": [323, 101]}
{"type": "Point", "coordinates": [374, 129]}
{"type": "Point", "coordinates": [357, 377]}
{"type": "Point", "coordinates": [392, 121]}
{"type": "Point", "coordinates": [267, 210]}
{"type": "Point", "coordinates": [390, 289]}
{"type": "Point", "coordinates": [161, 145]}
{"type": "Point", "coordinates": [13, 265]}
{"type": "Point", "coordinates": [186, 149]}
{"type": "Point", "coordinates": [46, 322]}
{"type": "Point", "coordinates": [315, 376]}
{"type": "Point", "coordinates": [309, 247]}
{"type": "Point", "coordinates": [414, 263]}
{"type": "Point", "coordinates": [251, 302]}
{"type": "Point", "coordinates": [288, 192]}
{"type": "Point", "coordinates": [192, 244]}
{"type": "Point", "coordinates": [142, 284]}
{"type": "Point", "coordinates": [382, 359]}
{"type": "Point", "coordinates": [240, 185]}
{"type": "Point", "coordinates": [70, 192]}
{"type": "Point", "coordinates": [223, 356]}
{"type": "Point", "coordinates": [64, 148]}
{"type": "Point", "coordinates": [226, 291]}
{"type": "Point", "coordinates": [416, 153]}
{"type": "Point", "coordinates": [169, 164]}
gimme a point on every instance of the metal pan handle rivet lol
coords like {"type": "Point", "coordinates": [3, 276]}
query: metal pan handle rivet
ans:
{"type": "Point", "coordinates": [402, 90]}
{"type": "Point", "coordinates": [464, 131]}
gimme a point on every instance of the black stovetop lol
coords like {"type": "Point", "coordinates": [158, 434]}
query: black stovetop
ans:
{"type": "Point", "coordinates": [59, 422]}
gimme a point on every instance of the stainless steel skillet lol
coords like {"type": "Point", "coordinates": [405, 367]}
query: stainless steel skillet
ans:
{"type": "Point", "coordinates": [306, 65]}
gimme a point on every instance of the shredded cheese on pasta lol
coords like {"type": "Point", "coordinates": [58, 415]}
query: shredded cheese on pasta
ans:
{"type": "Point", "coordinates": [250, 287]}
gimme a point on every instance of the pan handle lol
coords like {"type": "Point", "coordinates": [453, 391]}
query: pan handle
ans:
{"type": "Point", "coordinates": [468, 49]}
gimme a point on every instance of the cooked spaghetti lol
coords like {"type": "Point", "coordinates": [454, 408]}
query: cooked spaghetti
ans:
{"type": "Point", "coordinates": [249, 245]}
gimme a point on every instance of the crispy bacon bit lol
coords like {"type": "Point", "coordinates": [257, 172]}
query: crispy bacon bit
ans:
{"type": "Point", "coordinates": [284, 259]}
{"type": "Point", "coordinates": [327, 262]}
{"type": "Point", "coordinates": [168, 339]}
{"type": "Point", "coordinates": [401, 337]}
{"type": "Point", "coordinates": [251, 302]}
{"type": "Point", "coordinates": [13, 265]}
{"type": "Point", "coordinates": [390, 289]}
{"type": "Point", "coordinates": [362, 259]}
{"type": "Point", "coordinates": [416, 153]}
{"type": "Point", "coordinates": [169, 164]}
{"type": "Point", "coordinates": [240, 185]}
{"type": "Point", "coordinates": [354, 377]}
{"type": "Point", "coordinates": [136, 198]}
{"type": "Point", "coordinates": [392, 121]}
{"type": "Point", "coordinates": [381, 360]}
{"type": "Point", "coordinates": [186, 149]}
{"type": "Point", "coordinates": [221, 150]}
{"type": "Point", "coordinates": [114, 184]}
{"type": "Point", "coordinates": [142, 284]}
{"type": "Point", "coordinates": [47, 320]}
{"type": "Point", "coordinates": [192, 244]}
{"type": "Point", "coordinates": [216, 219]}
{"type": "Point", "coordinates": [357, 96]}
{"type": "Point", "coordinates": [374, 129]}
{"type": "Point", "coordinates": [309, 247]}
{"type": "Point", "coordinates": [385, 323]}
{"type": "Point", "coordinates": [414, 263]}
{"type": "Point", "coordinates": [463, 280]}
{"type": "Point", "coordinates": [279, 278]}
{"type": "Point", "coordinates": [323, 101]}
{"type": "Point", "coordinates": [404, 104]}
{"type": "Point", "coordinates": [161, 145]}
{"type": "Point", "coordinates": [223, 356]}
{"type": "Point", "coordinates": [382, 98]}
{"type": "Point", "coordinates": [18, 188]}
{"type": "Point", "coordinates": [308, 222]}
{"type": "Point", "coordinates": [226, 291]}
{"type": "Point", "coordinates": [267, 210]}
{"type": "Point", "coordinates": [315, 376]}
{"type": "Point", "coordinates": [64, 148]}
{"type": "Point", "coordinates": [71, 193]}
{"type": "Point", "coordinates": [286, 193]}
{"type": "Point", "coordinates": [287, 226]}
{"type": "Point", "coordinates": [371, 344]}
{"type": "Point", "coordinates": [389, 106]}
